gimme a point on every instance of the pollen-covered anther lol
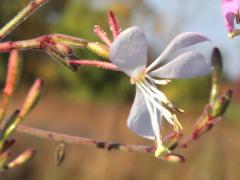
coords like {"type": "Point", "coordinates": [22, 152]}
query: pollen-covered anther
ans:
{"type": "Point", "coordinates": [234, 33]}
{"type": "Point", "coordinates": [177, 125]}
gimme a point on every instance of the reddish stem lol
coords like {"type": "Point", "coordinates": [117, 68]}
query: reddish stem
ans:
{"type": "Point", "coordinates": [104, 65]}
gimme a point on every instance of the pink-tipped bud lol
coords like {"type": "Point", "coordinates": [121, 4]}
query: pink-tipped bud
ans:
{"type": "Point", "coordinates": [114, 24]}
{"type": "Point", "coordinates": [102, 35]}
{"type": "Point", "coordinates": [13, 74]}
{"type": "Point", "coordinates": [14, 67]}
{"type": "Point", "coordinates": [32, 98]}
{"type": "Point", "coordinates": [23, 158]}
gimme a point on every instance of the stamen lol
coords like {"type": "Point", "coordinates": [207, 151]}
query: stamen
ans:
{"type": "Point", "coordinates": [167, 114]}
{"type": "Point", "coordinates": [178, 124]}
{"type": "Point", "coordinates": [171, 118]}
{"type": "Point", "coordinates": [157, 81]}
{"type": "Point", "coordinates": [164, 98]}
{"type": "Point", "coordinates": [161, 95]}
{"type": "Point", "coordinates": [153, 115]}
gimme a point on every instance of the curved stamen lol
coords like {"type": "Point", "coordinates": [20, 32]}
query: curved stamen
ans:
{"type": "Point", "coordinates": [163, 97]}
{"type": "Point", "coordinates": [157, 81]}
{"type": "Point", "coordinates": [159, 95]}
{"type": "Point", "coordinates": [171, 118]}
{"type": "Point", "coordinates": [155, 122]}
{"type": "Point", "coordinates": [166, 113]}
{"type": "Point", "coordinates": [153, 116]}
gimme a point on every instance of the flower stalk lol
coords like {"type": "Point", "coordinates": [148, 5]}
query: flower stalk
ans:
{"type": "Point", "coordinates": [21, 17]}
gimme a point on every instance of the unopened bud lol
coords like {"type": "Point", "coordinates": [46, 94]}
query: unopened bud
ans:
{"type": "Point", "coordinates": [217, 63]}
{"type": "Point", "coordinates": [30, 102]}
{"type": "Point", "coordinates": [216, 74]}
{"type": "Point", "coordinates": [99, 49]}
{"type": "Point", "coordinates": [174, 158]}
{"type": "Point", "coordinates": [221, 104]}
{"type": "Point", "coordinates": [13, 74]}
{"type": "Point", "coordinates": [14, 68]}
{"type": "Point", "coordinates": [8, 128]}
{"type": "Point", "coordinates": [32, 98]}
{"type": "Point", "coordinates": [102, 35]}
{"type": "Point", "coordinates": [60, 153]}
{"type": "Point", "coordinates": [23, 158]}
{"type": "Point", "coordinates": [114, 24]}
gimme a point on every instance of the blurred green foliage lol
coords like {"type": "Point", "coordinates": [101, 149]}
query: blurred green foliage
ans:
{"type": "Point", "coordinates": [77, 18]}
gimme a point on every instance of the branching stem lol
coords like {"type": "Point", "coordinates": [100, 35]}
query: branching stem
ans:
{"type": "Point", "coordinates": [83, 141]}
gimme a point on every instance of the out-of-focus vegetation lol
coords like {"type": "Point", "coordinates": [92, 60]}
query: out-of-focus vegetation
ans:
{"type": "Point", "coordinates": [213, 157]}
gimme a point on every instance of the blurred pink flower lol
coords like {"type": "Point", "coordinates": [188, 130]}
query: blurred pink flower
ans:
{"type": "Point", "coordinates": [230, 9]}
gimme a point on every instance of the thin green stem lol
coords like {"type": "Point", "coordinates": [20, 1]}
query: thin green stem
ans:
{"type": "Point", "coordinates": [21, 16]}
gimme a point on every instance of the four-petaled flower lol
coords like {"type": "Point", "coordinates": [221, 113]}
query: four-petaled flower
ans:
{"type": "Point", "coordinates": [129, 52]}
{"type": "Point", "coordinates": [231, 12]}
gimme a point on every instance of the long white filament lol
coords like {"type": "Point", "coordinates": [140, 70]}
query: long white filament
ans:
{"type": "Point", "coordinates": [157, 81]}
{"type": "Point", "coordinates": [162, 97]}
{"type": "Point", "coordinates": [166, 113]}
{"type": "Point", "coordinates": [154, 120]}
{"type": "Point", "coordinates": [153, 115]}
{"type": "Point", "coordinates": [153, 99]}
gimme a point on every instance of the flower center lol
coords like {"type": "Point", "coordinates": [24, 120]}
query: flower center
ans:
{"type": "Point", "coordinates": [139, 78]}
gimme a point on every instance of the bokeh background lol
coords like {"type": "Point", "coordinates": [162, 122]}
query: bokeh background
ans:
{"type": "Point", "coordinates": [95, 103]}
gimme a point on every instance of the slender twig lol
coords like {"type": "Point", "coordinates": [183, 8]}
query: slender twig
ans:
{"type": "Point", "coordinates": [83, 141]}
{"type": "Point", "coordinates": [104, 65]}
{"type": "Point", "coordinates": [42, 42]}
{"type": "Point", "coordinates": [21, 16]}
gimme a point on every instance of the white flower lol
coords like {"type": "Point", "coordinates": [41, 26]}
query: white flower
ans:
{"type": "Point", "coordinates": [129, 53]}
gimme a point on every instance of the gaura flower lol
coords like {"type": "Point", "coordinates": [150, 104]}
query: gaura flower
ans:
{"type": "Point", "coordinates": [231, 12]}
{"type": "Point", "coordinates": [129, 52]}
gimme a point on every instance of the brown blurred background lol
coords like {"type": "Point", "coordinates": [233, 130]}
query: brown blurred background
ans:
{"type": "Point", "coordinates": [95, 103]}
